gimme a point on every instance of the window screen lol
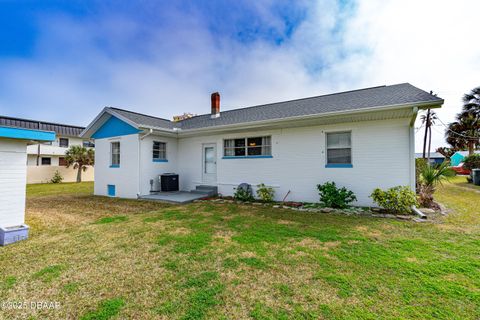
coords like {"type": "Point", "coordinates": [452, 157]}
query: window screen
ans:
{"type": "Point", "coordinates": [115, 153]}
{"type": "Point", "coordinates": [339, 148]}
{"type": "Point", "coordinates": [159, 150]}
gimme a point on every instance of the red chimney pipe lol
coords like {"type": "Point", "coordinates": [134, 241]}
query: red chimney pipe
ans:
{"type": "Point", "coordinates": [215, 104]}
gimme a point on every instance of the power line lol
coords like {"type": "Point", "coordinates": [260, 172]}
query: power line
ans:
{"type": "Point", "coordinates": [459, 134]}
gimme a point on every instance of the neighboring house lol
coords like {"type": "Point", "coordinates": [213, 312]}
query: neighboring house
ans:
{"type": "Point", "coordinates": [458, 157]}
{"type": "Point", "coordinates": [47, 157]}
{"type": "Point", "coordinates": [435, 157]}
{"type": "Point", "coordinates": [291, 146]}
{"type": "Point", "coordinates": [13, 170]}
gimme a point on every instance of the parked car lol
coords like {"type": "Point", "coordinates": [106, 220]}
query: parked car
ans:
{"type": "Point", "coordinates": [460, 169]}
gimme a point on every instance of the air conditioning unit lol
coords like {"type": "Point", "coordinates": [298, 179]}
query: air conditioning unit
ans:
{"type": "Point", "coordinates": [169, 182]}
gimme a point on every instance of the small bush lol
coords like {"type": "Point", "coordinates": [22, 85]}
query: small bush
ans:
{"type": "Point", "coordinates": [334, 197]}
{"type": "Point", "coordinates": [57, 177]}
{"type": "Point", "coordinates": [243, 194]}
{"type": "Point", "coordinates": [472, 162]}
{"type": "Point", "coordinates": [398, 199]}
{"type": "Point", "coordinates": [264, 193]}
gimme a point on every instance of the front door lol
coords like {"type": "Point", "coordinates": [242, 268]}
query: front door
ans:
{"type": "Point", "coordinates": [209, 163]}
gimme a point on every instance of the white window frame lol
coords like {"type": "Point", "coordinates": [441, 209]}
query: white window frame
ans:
{"type": "Point", "coordinates": [245, 147]}
{"type": "Point", "coordinates": [115, 165]}
{"type": "Point", "coordinates": [159, 155]}
{"type": "Point", "coordinates": [327, 164]}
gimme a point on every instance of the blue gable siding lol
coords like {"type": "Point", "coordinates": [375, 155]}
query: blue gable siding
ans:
{"type": "Point", "coordinates": [114, 127]}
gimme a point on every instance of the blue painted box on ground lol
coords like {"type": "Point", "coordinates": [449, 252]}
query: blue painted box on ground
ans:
{"type": "Point", "coordinates": [10, 235]}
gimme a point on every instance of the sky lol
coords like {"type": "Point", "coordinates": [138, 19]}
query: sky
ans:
{"type": "Point", "coordinates": [63, 61]}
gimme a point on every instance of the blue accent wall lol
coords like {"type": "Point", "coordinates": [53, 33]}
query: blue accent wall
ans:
{"type": "Point", "coordinates": [26, 134]}
{"type": "Point", "coordinates": [114, 127]}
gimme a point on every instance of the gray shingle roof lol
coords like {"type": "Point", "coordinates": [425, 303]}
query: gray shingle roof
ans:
{"type": "Point", "coordinates": [403, 93]}
{"type": "Point", "coordinates": [143, 119]}
{"type": "Point", "coordinates": [398, 94]}
{"type": "Point", "coordinates": [60, 129]}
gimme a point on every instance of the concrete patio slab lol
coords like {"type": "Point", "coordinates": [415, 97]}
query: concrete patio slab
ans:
{"type": "Point", "coordinates": [175, 196]}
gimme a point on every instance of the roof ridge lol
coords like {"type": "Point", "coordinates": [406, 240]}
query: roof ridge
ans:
{"type": "Point", "coordinates": [42, 122]}
{"type": "Point", "coordinates": [299, 99]}
{"type": "Point", "coordinates": [142, 114]}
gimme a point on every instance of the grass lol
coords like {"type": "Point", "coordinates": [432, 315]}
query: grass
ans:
{"type": "Point", "coordinates": [105, 258]}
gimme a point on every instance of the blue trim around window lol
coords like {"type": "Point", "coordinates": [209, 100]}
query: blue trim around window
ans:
{"type": "Point", "coordinates": [247, 157]}
{"type": "Point", "coordinates": [114, 166]}
{"type": "Point", "coordinates": [339, 165]}
{"type": "Point", "coordinates": [160, 160]}
{"type": "Point", "coordinates": [26, 134]}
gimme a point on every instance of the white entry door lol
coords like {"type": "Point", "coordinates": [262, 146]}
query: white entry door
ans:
{"type": "Point", "coordinates": [209, 163]}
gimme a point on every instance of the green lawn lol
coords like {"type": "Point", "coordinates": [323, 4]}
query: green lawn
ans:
{"type": "Point", "coordinates": [104, 258]}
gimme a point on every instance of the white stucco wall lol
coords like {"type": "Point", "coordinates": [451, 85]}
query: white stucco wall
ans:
{"type": "Point", "coordinates": [151, 169]}
{"type": "Point", "coordinates": [126, 177]}
{"type": "Point", "coordinates": [13, 169]}
{"type": "Point", "coordinates": [380, 155]}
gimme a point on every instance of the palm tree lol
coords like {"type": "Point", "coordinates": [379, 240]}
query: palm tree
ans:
{"type": "Point", "coordinates": [80, 157]}
{"type": "Point", "coordinates": [428, 120]}
{"type": "Point", "coordinates": [471, 101]}
{"type": "Point", "coordinates": [465, 132]}
{"type": "Point", "coordinates": [430, 177]}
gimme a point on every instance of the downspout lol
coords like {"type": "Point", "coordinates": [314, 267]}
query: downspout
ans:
{"type": "Point", "coordinates": [412, 148]}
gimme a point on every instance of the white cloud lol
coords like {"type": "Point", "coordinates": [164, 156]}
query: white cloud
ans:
{"type": "Point", "coordinates": [172, 67]}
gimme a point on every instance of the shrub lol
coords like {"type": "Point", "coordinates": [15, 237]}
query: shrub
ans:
{"type": "Point", "coordinates": [472, 162]}
{"type": "Point", "coordinates": [334, 197]}
{"type": "Point", "coordinates": [264, 193]}
{"type": "Point", "coordinates": [243, 193]}
{"type": "Point", "coordinates": [399, 199]}
{"type": "Point", "coordinates": [57, 177]}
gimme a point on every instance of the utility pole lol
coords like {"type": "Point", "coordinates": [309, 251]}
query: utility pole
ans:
{"type": "Point", "coordinates": [427, 125]}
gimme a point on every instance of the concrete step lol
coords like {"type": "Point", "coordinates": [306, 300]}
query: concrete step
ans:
{"type": "Point", "coordinates": [208, 190]}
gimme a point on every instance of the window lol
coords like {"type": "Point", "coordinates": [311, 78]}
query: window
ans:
{"type": "Point", "coordinates": [339, 148]}
{"type": "Point", "coordinates": [115, 154]}
{"type": "Point", "coordinates": [46, 161]}
{"type": "Point", "coordinates": [159, 151]}
{"type": "Point", "coordinates": [88, 144]}
{"type": "Point", "coordinates": [244, 147]}
{"type": "Point", "coordinates": [63, 142]}
{"type": "Point", "coordinates": [62, 162]}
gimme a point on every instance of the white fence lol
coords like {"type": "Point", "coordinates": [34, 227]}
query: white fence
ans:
{"type": "Point", "coordinates": [43, 174]}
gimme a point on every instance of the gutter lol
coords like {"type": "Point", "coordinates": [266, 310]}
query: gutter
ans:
{"type": "Point", "coordinates": [150, 131]}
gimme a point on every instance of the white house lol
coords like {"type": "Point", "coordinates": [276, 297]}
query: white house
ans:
{"type": "Point", "coordinates": [13, 170]}
{"type": "Point", "coordinates": [44, 158]}
{"type": "Point", "coordinates": [361, 139]}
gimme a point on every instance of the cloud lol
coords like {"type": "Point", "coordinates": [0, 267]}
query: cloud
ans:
{"type": "Point", "coordinates": [166, 59]}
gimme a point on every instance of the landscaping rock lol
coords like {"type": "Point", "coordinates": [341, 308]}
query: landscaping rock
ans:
{"type": "Point", "coordinates": [326, 210]}
{"type": "Point", "coordinates": [276, 206]}
{"type": "Point", "coordinates": [257, 203]}
{"type": "Point", "coordinates": [403, 217]}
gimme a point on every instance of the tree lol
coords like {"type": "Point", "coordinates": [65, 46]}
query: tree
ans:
{"type": "Point", "coordinates": [428, 120]}
{"type": "Point", "coordinates": [80, 158]}
{"type": "Point", "coordinates": [464, 133]}
{"type": "Point", "coordinates": [446, 152]}
{"type": "Point", "coordinates": [471, 101]}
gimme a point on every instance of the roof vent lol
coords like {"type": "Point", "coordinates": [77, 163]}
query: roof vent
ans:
{"type": "Point", "coordinates": [215, 105]}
